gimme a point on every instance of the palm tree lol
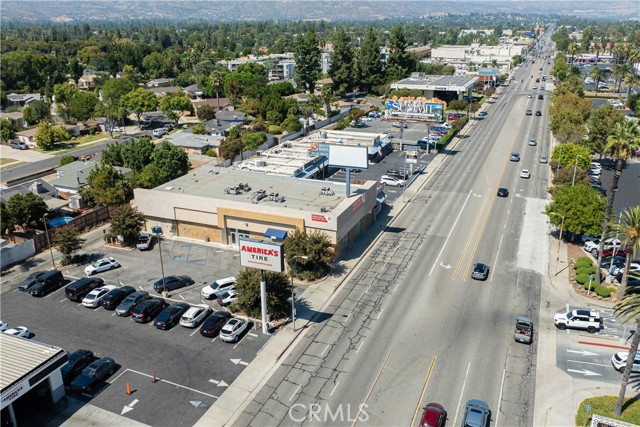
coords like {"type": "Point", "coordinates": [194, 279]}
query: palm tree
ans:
{"type": "Point", "coordinates": [621, 146]}
{"type": "Point", "coordinates": [216, 80]}
{"type": "Point", "coordinates": [629, 80]}
{"type": "Point", "coordinates": [628, 231]}
{"type": "Point", "coordinates": [597, 74]}
{"type": "Point", "coordinates": [572, 49]}
{"type": "Point", "coordinates": [619, 72]}
{"type": "Point", "coordinates": [629, 309]}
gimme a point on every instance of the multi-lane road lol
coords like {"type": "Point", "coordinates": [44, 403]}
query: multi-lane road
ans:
{"type": "Point", "coordinates": [410, 326]}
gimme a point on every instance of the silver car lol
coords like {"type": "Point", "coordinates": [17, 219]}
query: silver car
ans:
{"type": "Point", "coordinates": [233, 329]}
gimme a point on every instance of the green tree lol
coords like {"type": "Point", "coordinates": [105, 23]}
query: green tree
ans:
{"type": "Point", "coordinates": [579, 208]}
{"type": "Point", "coordinates": [83, 106]}
{"type": "Point", "coordinates": [572, 49]}
{"type": "Point", "coordinates": [112, 106]}
{"type": "Point", "coordinates": [68, 241]}
{"type": "Point", "coordinates": [36, 112]}
{"type": "Point", "coordinates": [629, 310]}
{"type": "Point", "coordinates": [291, 124]}
{"type": "Point", "coordinates": [278, 293]}
{"type": "Point", "coordinates": [112, 154]}
{"type": "Point", "coordinates": [198, 129]}
{"type": "Point", "coordinates": [307, 57]}
{"type": "Point", "coordinates": [137, 154]}
{"type": "Point", "coordinates": [560, 69]}
{"type": "Point", "coordinates": [65, 160]}
{"type": "Point", "coordinates": [628, 232]}
{"type": "Point", "coordinates": [173, 105]}
{"type": "Point", "coordinates": [63, 94]}
{"type": "Point", "coordinates": [108, 186]}
{"type": "Point", "coordinates": [127, 222]}
{"type": "Point", "coordinates": [601, 125]}
{"type": "Point", "coordinates": [569, 114]}
{"type": "Point", "coordinates": [140, 101]}
{"type": "Point", "coordinates": [149, 177]}
{"type": "Point", "coordinates": [7, 131]}
{"type": "Point", "coordinates": [316, 246]}
{"type": "Point", "coordinates": [27, 210]}
{"type": "Point", "coordinates": [597, 74]}
{"type": "Point", "coordinates": [567, 153]}
{"type": "Point", "coordinates": [230, 148]}
{"type": "Point", "coordinates": [47, 135]}
{"type": "Point", "coordinates": [172, 161]}
{"type": "Point", "coordinates": [6, 219]}
{"type": "Point", "coordinates": [400, 62]}
{"type": "Point", "coordinates": [566, 176]}
{"type": "Point", "coordinates": [157, 65]}
{"type": "Point", "coordinates": [252, 140]}
{"type": "Point", "coordinates": [342, 70]}
{"type": "Point", "coordinates": [561, 38]}
{"type": "Point", "coordinates": [206, 113]}
{"type": "Point", "coordinates": [369, 66]}
{"type": "Point", "coordinates": [622, 145]}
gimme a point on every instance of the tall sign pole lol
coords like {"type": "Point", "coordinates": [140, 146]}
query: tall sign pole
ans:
{"type": "Point", "coordinates": [263, 302]}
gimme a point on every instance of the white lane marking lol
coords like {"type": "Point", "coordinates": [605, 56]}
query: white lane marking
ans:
{"type": "Point", "coordinates": [582, 352]}
{"type": "Point", "coordinates": [294, 393]}
{"type": "Point", "coordinates": [263, 346]}
{"type": "Point", "coordinates": [461, 393]}
{"type": "Point", "coordinates": [504, 372]}
{"type": "Point", "coordinates": [214, 339]}
{"type": "Point", "coordinates": [181, 297]}
{"type": "Point", "coordinates": [348, 317]}
{"type": "Point", "coordinates": [588, 363]}
{"type": "Point", "coordinates": [495, 263]}
{"type": "Point", "coordinates": [360, 346]}
{"type": "Point", "coordinates": [169, 382]}
{"type": "Point", "coordinates": [63, 300]}
{"type": "Point", "coordinates": [379, 313]}
{"type": "Point", "coordinates": [334, 388]}
{"type": "Point", "coordinates": [449, 236]}
{"type": "Point", "coordinates": [396, 287]}
{"type": "Point", "coordinates": [325, 349]}
{"type": "Point", "coordinates": [141, 288]}
{"type": "Point", "coordinates": [194, 331]}
{"type": "Point", "coordinates": [252, 334]}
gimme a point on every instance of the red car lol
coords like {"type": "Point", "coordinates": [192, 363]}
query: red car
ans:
{"type": "Point", "coordinates": [434, 415]}
{"type": "Point", "coordinates": [620, 252]}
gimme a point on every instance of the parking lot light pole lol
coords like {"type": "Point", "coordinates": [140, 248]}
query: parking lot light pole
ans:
{"type": "Point", "coordinates": [293, 297]}
{"type": "Point", "coordinates": [46, 233]}
{"type": "Point", "coordinates": [164, 289]}
{"type": "Point", "coordinates": [575, 168]}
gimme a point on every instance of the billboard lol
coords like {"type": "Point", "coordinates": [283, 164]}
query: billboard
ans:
{"type": "Point", "coordinates": [419, 108]}
{"type": "Point", "coordinates": [343, 156]}
{"type": "Point", "coordinates": [261, 254]}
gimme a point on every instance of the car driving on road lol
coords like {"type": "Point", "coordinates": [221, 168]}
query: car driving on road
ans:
{"type": "Point", "coordinates": [480, 271]}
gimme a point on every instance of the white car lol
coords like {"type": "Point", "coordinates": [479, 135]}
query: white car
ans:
{"type": "Point", "coordinates": [101, 265]}
{"type": "Point", "coordinates": [529, 96]}
{"type": "Point", "coordinates": [159, 132]}
{"type": "Point", "coordinates": [392, 181]}
{"type": "Point", "coordinates": [3, 326]}
{"type": "Point", "coordinates": [619, 361]}
{"type": "Point", "coordinates": [94, 298]}
{"type": "Point", "coordinates": [210, 291]}
{"type": "Point", "coordinates": [18, 331]}
{"type": "Point", "coordinates": [595, 166]}
{"type": "Point", "coordinates": [588, 320]}
{"type": "Point", "coordinates": [525, 174]}
{"type": "Point", "coordinates": [592, 246]}
{"type": "Point", "coordinates": [633, 268]}
{"type": "Point", "coordinates": [227, 297]}
{"type": "Point", "coordinates": [144, 242]}
{"type": "Point", "coordinates": [232, 330]}
{"type": "Point", "coordinates": [195, 315]}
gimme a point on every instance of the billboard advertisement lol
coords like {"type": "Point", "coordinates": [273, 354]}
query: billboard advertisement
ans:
{"type": "Point", "coordinates": [261, 254]}
{"type": "Point", "coordinates": [417, 108]}
{"type": "Point", "coordinates": [344, 156]}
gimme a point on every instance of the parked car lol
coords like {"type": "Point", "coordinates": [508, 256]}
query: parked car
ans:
{"type": "Point", "coordinates": [48, 282]}
{"type": "Point", "coordinates": [94, 298]}
{"type": "Point", "coordinates": [210, 291]}
{"type": "Point", "coordinates": [476, 414]}
{"type": "Point", "coordinates": [591, 321]}
{"type": "Point", "coordinates": [433, 415]}
{"type": "Point", "coordinates": [389, 180]}
{"type": "Point", "coordinates": [617, 261]}
{"type": "Point", "coordinates": [214, 323]}
{"type": "Point", "coordinates": [159, 132]}
{"type": "Point", "coordinates": [30, 281]}
{"type": "Point", "coordinates": [148, 309]}
{"type": "Point", "coordinates": [171, 283]}
{"type": "Point", "coordinates": [3, 326]}
{"type": "Point", "coordinates": [515, 157]}
{"type": "Point", "coordinates": [18, 331]}
{"type": "Point", "coordinates": [617, 251]}
{"type": "Point", "coordinates": [227, 297]}
{"type": "Point", "coordinates": [104, 264]}
{"type": "Point", "coordinates": [396, 173]}
{"type": "Point", "coordinates": [170, 316]}
{"type": "Point", "coordinates": [93, 374]}
{"type": "Point", "coordinates": [195, 315]}
{"type": "Point", "coordinates": [374, 114]}
{"type": "Point", "coordinates": [617, 271]}
{"type": "Point", "coordinates": [78, 360]}
{"type": "Point", "coordinates": [233, 329]}
{"type": "Point", "coordinates": [19, 145]}
{"type": "Point", "coordinates": [480, 271]}
{"type": "Point", "coordinates": [399, 125]}
{"type": "Point", "coordinates": [619, 361]}
{"type": "Point", "coordinates": [144, 242]}
{"type": "Point", "coordinates": [125, 307]}
{"type": "Point", "coordinates": [115, 296]}
{"type": "Point", "coordinates": [524, 330]}
{"type": "Point", "coordinates": [79, 289]}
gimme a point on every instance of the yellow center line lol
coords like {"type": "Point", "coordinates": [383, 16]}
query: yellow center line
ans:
{"type": "Point", "coordinates": [424, 389]}
{"type": "Point", "coordinates": [371, 389]}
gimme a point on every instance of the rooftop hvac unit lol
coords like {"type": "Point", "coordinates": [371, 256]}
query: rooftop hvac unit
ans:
{"type": "Point", "coordinates": [261, 163]}
{"type": "Point", "coordinates": [260, 194]}
{"type": "Point", "coordinates": [232, 190]}
{"type": "Point", "coordinates": [76, 202]}
{"type": "Point", "coordinates": [259, 152]}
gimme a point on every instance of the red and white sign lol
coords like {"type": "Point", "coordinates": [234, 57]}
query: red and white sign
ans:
{"type": "Point", "coordinates": [262, 255]}
{"type": "Point", "coordinates": [318, 218]}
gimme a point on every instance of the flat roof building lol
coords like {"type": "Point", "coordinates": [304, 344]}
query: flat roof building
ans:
{"type": "Point", "coordinates": [445, 88]}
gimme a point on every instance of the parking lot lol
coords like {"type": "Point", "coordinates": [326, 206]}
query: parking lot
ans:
{"type": "Point", "coordinates": [191, 370]}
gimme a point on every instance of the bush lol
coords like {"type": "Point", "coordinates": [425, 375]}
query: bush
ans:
{"type": "Point", "coordinates": [582, 262]}
{"type": "Point", "coordinates": [65, 160]}
{"type": "Point", "coordinates": [275, 129]}
{"type": "Point", "coordinates": [588, 270]}
{"type": "Point", "coordinates": [198, 129]}
{"type": "Point", "coordinates": [211, 153]}
{"type": "Point", "coordinates": [603, 291]}
{"type": "Point", "coordinates": [582, 278]}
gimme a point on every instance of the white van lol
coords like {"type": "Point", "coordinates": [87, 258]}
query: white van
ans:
{"type": "Point", "coordinates": [159, 132]}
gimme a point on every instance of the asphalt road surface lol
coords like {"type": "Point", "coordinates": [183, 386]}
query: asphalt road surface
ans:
{"type": "Point", "coordinates": [411, 326]}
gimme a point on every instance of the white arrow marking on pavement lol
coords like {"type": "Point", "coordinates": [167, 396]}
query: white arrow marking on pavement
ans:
{"type": "Point", "coordinates": [477, 195]}
{"type": "Point", "coordinates": [238, 361]}
{"type": "Point", "coordinates": [444, 266]}
{"type": "Point", "coordinates": [195, 403]}
{"type": "Point", "coordinates": [584, 372]}
{"type": "Point", "coordinates": [219, 383]}
{"type": "Point", "coordinates": [582, 352]}
{"type": "Point", "coordinates": [128, 407]}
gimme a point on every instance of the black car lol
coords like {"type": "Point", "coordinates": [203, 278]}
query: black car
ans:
{"type": "Point", "coordinates": [48, 282]}
{"type": "Point", "coordinates": [125, 307]}
{"type": "Point", "coordinates": [94, 373]}
{"type": "Point", "coordinates": [30, 281]}
{"type": "Point", "coordinates": [170, 316]}
{"type": "Point", "coordinates": [172, 283]}
{"type": "Point", "coordinates": [397, 173]}
{"type": "Point", "coordinates": [115, 296]}
{"type": "Point", "coordinates": [211, 327]}
{"type": "Point", "coordinates": [78, 360]}
{"type": "Point", "coordinates": [503, 192]}
{"type": "Point", "coordinates": [529, 112]}
{"type": "Point", "coordinates": [480, 271]}
{"type": "Point", "coordinates": [538, 113]}
{"type": "Point", "coordinates": [147, 310]}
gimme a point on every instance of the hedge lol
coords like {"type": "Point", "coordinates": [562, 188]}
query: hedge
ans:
{"type": "Point", "coordinates": [586, 270]}
{"type": "Point", "coordinates": [582, 262]}
{"type": "Point", "coordinates": [603, 291]}
{"type": "Point", "coordinates": [582, 278]}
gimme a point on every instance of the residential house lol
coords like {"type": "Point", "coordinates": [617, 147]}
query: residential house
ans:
{"type": "Point", "coordinates": [73, 176]}
{"type": "Point", "coordinates": [193, 91]}
{"type": "Point", "coordinates": [16, 118]}
{"type": "Point", "coordinates": [162, 91]}
{"type": "Point", "coordinates": [224, 121]}
{"type": "Point", "coordinates": [85, 81]}
{"type": "Point", "coordinates": [195, 144]}
{"type": "Point", "coordinates": [22, 99]}
{"type": "Point", "coordinates": [211, 102]}
{"type": "Point", "coordinates": [26, 136]}
{"type": "Point", "coordinates": [159, 83]}
{"type": "Point", "coordinates": [49, 194]}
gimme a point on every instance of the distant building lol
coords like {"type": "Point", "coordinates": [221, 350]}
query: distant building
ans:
{"type": "Point", "coordinates": [73, 176]}
{"type": "Point", "coordinates": [445, 88]}
{"type": "Point", "coordinates": [195, 144]}
{"type": "Point", "coordinates": [159, 82]}
{"type": "Point", "coordinates": [22, 99]}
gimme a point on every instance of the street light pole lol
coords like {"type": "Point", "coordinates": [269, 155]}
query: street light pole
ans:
{"type": "Point", "coordinates": [293, 297]}
{"type": "Point", "coordinates": [46, 233]}
{"type": "Point", "coordinates": [157, 231]}
{"type": "Point", "coordinates": [575, 168]}
{"type": "Point", "coordinates": [559, 159]}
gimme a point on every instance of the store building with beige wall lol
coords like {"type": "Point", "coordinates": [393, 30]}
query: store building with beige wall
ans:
{"type": "Point", "coordinates": [221, 205]}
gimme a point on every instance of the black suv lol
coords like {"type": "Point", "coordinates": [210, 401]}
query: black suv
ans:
{"type": "Point", "coordinates": [48, 282]}
{"type": "Point", "coordinates": [147, 310]}
{"type": "Point", "coordinates": [78, 360]}
{"type": "Point", "coordinates": [115, 296]}
{"type": "Point", "coordinates": [30, 281]}
{"type": "Point", "coordinates": [81, 287]}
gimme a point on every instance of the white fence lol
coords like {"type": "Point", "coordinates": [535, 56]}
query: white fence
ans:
{"type": "Point", "coordinates": [12, 253]}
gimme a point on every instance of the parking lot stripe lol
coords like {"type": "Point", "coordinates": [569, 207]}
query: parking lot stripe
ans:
{"type": "Point", "coordinates": [263, 346]}
{"type": "Point", "coordinates": [325, 349]}
{"type": "Point", "coordinates": [214, 339]}
{"type": "Point", "coordinates": [194, 331]}
{"type": "Point", "coordinates": [360, 346]}
{"type": "Point", "coordinates": [294, 393]}
{"type": "Point", "coordinates": [334, 388]}
{"type": "Point", "coordinates": [63, 300]}
{"type": "Point", "coordinates": [252, 334]}
{"type": "Point", "coordinates": [169, 382]}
